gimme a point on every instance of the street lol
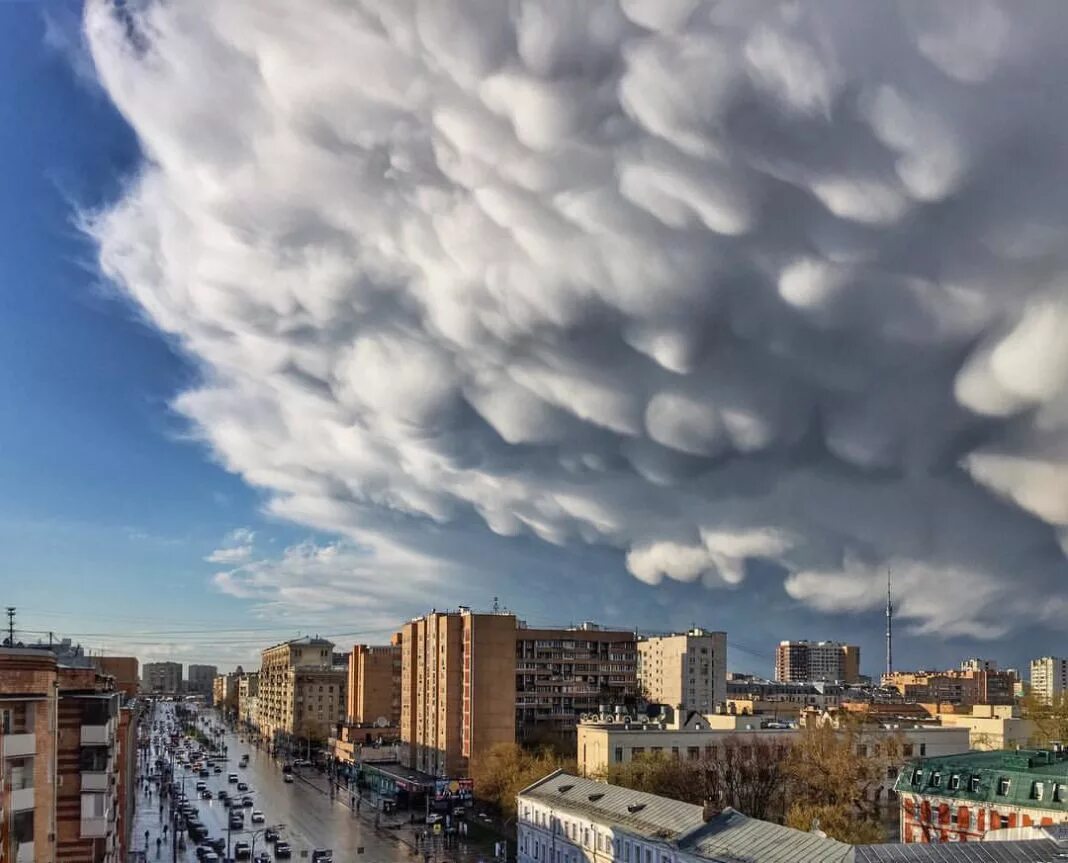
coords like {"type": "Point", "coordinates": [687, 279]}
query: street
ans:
{"type": "Point", "coordinates": [312, 820]}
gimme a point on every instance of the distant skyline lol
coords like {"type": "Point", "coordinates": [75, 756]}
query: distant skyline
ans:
{"type": "Point", "coordinates": [313, 320]}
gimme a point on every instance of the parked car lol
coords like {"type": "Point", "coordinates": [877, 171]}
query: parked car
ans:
{"type": "Point", "coordinates": [242, 851]}
{"type": "Point", "coordinates": [231, 778]}
{"type": "Point", "coordinates": [218, 843]}
{"type": "Point", "coordinates": [257, 817]}
{"type": "Point", "coordinates": [270, 835]}
{"type": "Point", "coordinates": [282, 850]}
{"type": "Point", "coordinates": [322, 855]}
{"type": "Point", "coordinates": [287, 778]}
{"type": "Point", "coordinates": [242, 786]}
{"type": "Point", "coordinates": [205, 794]}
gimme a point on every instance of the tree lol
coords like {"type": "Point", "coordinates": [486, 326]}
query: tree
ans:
{"type": "Point", "coordinates": [834, 771]}
{"type": "Point", "coordinates": [507, 768]}
{"type": "Point", "coordinates": [744, 773]}
{"type": "Point", "coordinates": [1050, 719]}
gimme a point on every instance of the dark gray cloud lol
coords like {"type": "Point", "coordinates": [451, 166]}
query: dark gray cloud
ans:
{"type": "Point", "coordinates": [698, 284]}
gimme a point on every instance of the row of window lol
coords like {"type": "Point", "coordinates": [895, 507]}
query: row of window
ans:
{"type": "Point", "coordinates": [1058, 792]}
{"type": "Point", "coordinates": [554, 851]}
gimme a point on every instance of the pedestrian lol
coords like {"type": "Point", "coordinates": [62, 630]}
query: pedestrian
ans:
{"type": "Point", "coordinates": [158, 842]}
{"type": "Point", "coordinates": [146, 840]}
{"type": "Point", "coordinates": [164, 832]}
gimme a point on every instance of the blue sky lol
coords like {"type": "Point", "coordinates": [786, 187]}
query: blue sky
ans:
{"type": "Point", "coordinates": [725, 398]}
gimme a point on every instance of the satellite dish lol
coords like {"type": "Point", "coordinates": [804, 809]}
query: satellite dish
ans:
{"type": "Point", "coordinates": [381, 722]}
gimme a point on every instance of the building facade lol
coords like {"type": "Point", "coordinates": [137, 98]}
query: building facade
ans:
{"type": "Point", "coordinates": [1049, 678]}
{"type": "Point", "coordinates": [964, 686]}
{"type": "Point", "coordinates": [687, 671]}
{"type": "Point", "coordinates": [458, 695]}
{"type": "Point", "coordinates": [805, 661]}
{"type": "Point", "coordinates": [65, 745]}
{"type": "Point", "coordinates": [226, 690]}
{"type": "Point", "coordinates": [162, 677]}
{"type": "Point", "coordinates": [961, 798]}
{"type": "Point", "coordinates": [301, 694]}
{"type": "Point", "coordinates": [125, 670]}
{"type": "Point", "coordinates": [561, 674]}
{"type": "Point", "coordinates": [374, 691]}
{"type": "Point", "coordinates": [248, 692]}
{"type": "Point", "coordinates": [200, 679]}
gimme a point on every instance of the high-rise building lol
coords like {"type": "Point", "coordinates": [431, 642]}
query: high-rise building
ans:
{"type": "Point", "coordinates": [801, 661]}
{"type": "Point", "coordinates": [163, 677]}
{"type": "Point", "coordinates": [301, 693]}
{"type": "Point", "coordinates": [200, 679]}
{"type": "Point", "coordinates": [561, 674]}
{"type": "Point", "coordinates": [374, 692]}
{"type": "Point", "coordinates": [124, 669]}
{"type": "Point", "coordinates": [66, 749]}
{"type": "Point", "coordinates": [687, 671]}
{"type": "Point", "coordinates": [458, 673]}
{"type": "Point", "coordinates": [1049, 678]}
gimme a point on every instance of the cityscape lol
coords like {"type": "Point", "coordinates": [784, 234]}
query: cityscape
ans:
{"type": "Point", "coordinates": [534, 431]}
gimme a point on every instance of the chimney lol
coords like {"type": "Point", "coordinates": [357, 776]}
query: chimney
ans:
{"type": "Point", "coordinates": [710, 811]}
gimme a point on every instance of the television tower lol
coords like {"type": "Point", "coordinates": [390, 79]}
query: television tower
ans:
{"type": "Point", "coordinates": [889, 627]}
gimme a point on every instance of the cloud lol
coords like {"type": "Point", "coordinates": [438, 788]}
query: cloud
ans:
{"type": "Point", "coordinates": [236, 547]}
{"type": "Point", "coordinates": [715, 286]}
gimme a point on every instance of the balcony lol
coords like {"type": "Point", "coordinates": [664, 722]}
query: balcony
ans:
{"type": "Point", "coordinates": [95, 828]}
{"type": "Point", "coordinates": [19, 745]}
{"type": "Point", "coordinates": [22, 799]}
{"type": "Point", "coordinates": [99, 735]}
{"type": "Point", "coordinates": [95, 780]}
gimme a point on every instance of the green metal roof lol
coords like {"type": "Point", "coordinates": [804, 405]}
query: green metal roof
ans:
{"type": "Point", "coordinates": [1037, 778]}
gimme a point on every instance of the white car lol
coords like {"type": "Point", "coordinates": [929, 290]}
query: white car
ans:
{"type": "Point", "coordinates": [257, 817]}
{"type": "Point", "coordinates": [287, 777]}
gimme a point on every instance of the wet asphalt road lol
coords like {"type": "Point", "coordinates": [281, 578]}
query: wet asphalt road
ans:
{"type": "Point", "coordinates": [311, 819]}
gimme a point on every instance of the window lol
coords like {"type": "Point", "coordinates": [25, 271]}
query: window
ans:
{"type": "Point", "coordinates": [923, 749]}
{"type": "Point", "coordinates": [954, 782]}
{"type": "Point", "coordinates": [1004, 821]}
{"type": "Point", "coordinates": [1037, 790]}
{"type": "Point", "coordinates": [693, 753]}
{"type": "Point", "coordinates": [917, 776]}
{"type": "Point", "coordinates": [906, 750]}
{"type": "Point", "coordinates": [936, 779]}
{"type": "Point", "coordinates": [1003, 787]}
{"type": "Point", "coordinates": [619, 754]}
{"type": "Point", "coordinates": [973, 784]}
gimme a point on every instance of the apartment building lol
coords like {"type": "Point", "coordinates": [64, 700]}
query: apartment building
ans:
{"type": "Point", "coordinates": [964, 686]}
{"type": "Point", "coordinates": [248, 691]}
{"type": "Point", "coordinates": [374, 692]}
{"type": "Point", "coordinates": [164, 677]}
{"type": "Point", "coordinates": [561, 674]}
{"type": "Point", "coordinates": [804, 661]}
{"type": "Point", "coordinates": [66, 746]}
{"type": "Point", "coordinates": [992, 726]}
{"type": "Point", "coordinates": [226, 690]}
{"type": "Point", "coordinates": [687, 671]}
{"type": "Point", "coordinates": [458, 698]}
{"type": "Point", "coordinates": [1049, 678]}
{"type": "Point", "coordinates": [959, 798]}
{"type": "Point", "coordinates": [301, 693]}
{"type": "Point", "coordinates": [200, 679]}
{"type": "Point", "coordinates": [124, 669]}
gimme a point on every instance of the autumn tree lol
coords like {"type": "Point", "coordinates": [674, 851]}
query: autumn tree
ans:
{"type": "Point", "coordinates": [1049, 718]}
{"type": "Point", "coordinates": [833, 773]}
{"type": "Point", "coordinates": [507, 768]}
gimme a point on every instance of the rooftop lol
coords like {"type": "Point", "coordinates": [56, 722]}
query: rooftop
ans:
{"type": "Point", "coordinates": [1036, 778]}
{"type": "Point", "coordinates": [1032, 851]}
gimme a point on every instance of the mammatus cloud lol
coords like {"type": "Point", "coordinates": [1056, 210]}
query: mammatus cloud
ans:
{"type": "Point", "coordinates": [707, 283]}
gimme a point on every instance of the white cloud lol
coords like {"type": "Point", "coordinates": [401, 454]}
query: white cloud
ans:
{"type": "Point", "coordinates": [702, 283]}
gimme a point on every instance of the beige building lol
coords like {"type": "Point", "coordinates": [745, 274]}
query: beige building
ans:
{"type": "Point", "coordinates": [164, 677]}
{"type": "Point", "coordinates": [1049, 678]}
{"type": "Point", "coordinates": [601, 744]}
{"type": "Point", "coordinates": [301, 694]}
{"type": "Point", "coordinates": [964, 686]}
{"type": "Point", "coordinates": [686, 671]}
{"type": "Point", "coordinates": [200, 679]}
{"type": "Point", "coordinates": [992, 726]}
{"type": "Point", "coordinates": [802, 661]}
{"type": "Point", "coordinates": [458, 695]}
{"type": "Point", "coordinates": [374, 694]}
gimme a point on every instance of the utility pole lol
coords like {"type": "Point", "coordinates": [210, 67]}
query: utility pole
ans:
{"type": "Point", "coordinates": [11, 626]}
{"type": "Point", "coordinates": [889, 626]}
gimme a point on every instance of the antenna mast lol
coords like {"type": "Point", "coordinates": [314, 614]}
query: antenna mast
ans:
{"type": "Point", "coordinates": [889, 627]}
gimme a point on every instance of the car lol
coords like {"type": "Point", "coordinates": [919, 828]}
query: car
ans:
{"type": "Point", "coordinates": [242, 851]}
{"type": "Point", "coordinates": [270, 835]}
{"type": "Point", "coordinates": [202, 849]}
{"type": "Point", "coordinates": [257, 817]}
{"type": "Point", "coordinates": [205, 794]}
{"type": "Point", "coordinates": [227, 802]}
{"type": "Point", "coordinates": [459, 812]}
{"type": "Point", "coordinates": [218, 843]}
{"type": "Point", "coordinates": [242, 786]}
{"type": "Point", "coordinates": [246, 800]}
{"type": "Point", "coordinates": [287, 778]}
{"type": "Point", "coordinates": [237, 824]}
{"type": "Point", "coordinates": [231, 778]}
{"type": "Point", "coordinates": [322, 855]}
{"type": "Point", "coordinates": [201, 785]}
{"type": "Point", "coordinates": [223, 793]}
{"type": "Point", "coordinates": [210, 857]}
{"type": "Point", "coordinates": [282, 850]}
{"type": "Point", "coordinates": [261, 857]}
{"type": "Point", "coordinates": [217, 770]}
{"type": "Point", "coordinates": [434, 818]}
{"type": "Point", "coordinates": [204, 772]}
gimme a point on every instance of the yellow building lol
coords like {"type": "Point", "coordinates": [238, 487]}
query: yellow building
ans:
{"type": "Point", "coordinates": [374, 685]}
{"type": "Point", "coordinates": [992, 726]}
{"type": "Point", "coordinates": [301, 694]}
{"type": "Point", "coordinates": [457, 688]}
